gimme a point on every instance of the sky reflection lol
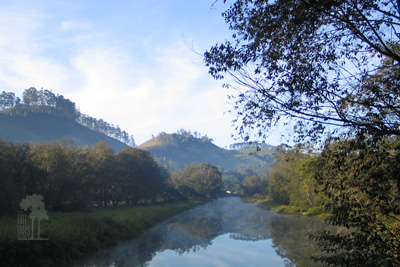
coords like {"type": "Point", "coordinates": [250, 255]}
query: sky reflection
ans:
{"type": "Point", "coordinates": [224, 251]}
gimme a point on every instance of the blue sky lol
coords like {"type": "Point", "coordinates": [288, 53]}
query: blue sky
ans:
{"type": "Point", "coordinates": [136, 64]}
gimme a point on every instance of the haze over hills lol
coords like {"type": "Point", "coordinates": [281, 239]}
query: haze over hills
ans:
{"type": "Point", "coordinates": [177, 150]}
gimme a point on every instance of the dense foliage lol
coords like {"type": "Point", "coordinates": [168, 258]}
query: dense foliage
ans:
{"type": "Point", "coordinates": [76, 178]}
{"type": "Point", "coordinates": [175, 151]}
{"type": "Point", "coordinates": [318, 63]}
{"type": "Point", "coordinates": [357, 183]}
{"type": "Point", "coordinates": [198, 181]}
{"type": "Point", "coordinates": [360, 181]}
{"type": "Point", "coordinates": [45, 101]}
{"type": "Point", "coordinates": [328, 71]}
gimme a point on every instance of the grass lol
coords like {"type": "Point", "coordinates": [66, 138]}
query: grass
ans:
{"type": "Point", "coordinates": [317, 211]}
{"type": "Point", "coordinates": [72, 235]}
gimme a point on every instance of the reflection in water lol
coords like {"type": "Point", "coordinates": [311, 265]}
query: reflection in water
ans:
{"type": "Point", "coordinates": [225, 232]}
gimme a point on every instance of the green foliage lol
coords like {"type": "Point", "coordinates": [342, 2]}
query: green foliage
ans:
{"type": "Point", "coordinates": [231, 183]}
{"type": "Point", "coordinates": [304, 60]}
{"type": "Point", "coordinates": [177, 150]}
{"type": "Point", "coordinates": [252, 185]}
{"type": "Point", "coordinates": [19, 176]}
{"type": "Point", "coordinates": [198, 181]}
{"type": "Point", "coordinates": [141, 177]}
{"type": "Point", "coordinates": [325, 67]}
{"type": "Point", "coordinates": [72, 235]}
{"type": "Point", "coordinates": [75, 178]}
{"type": "Point", "coordinates": [360, 178]}
{"type": "Point", "coordinates": [356, 180]}
{"type": "Point", "coordinates": [292, 179]}
{"type": "Point", "coordinates": [46, 102]}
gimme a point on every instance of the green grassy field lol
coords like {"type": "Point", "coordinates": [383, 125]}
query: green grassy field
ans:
{"type": "Point", "coordinates": [72, 235]}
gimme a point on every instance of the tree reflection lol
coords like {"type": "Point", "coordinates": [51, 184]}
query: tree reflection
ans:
{"type": "Point", "coordinates": [245, 237]}
{"type": "Point", "coordinates": [196, 229]}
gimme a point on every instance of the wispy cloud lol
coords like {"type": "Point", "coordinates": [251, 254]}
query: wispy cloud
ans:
{"type": "Point", "coordinates": [75, 25]}
{"type": "Point", "coordinates": [146, 80]}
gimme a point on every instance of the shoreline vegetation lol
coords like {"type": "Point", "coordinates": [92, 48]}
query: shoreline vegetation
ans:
{"type": "Point", "coordinates": [69, 236]}
{"type": "Point", "coordinates": [314, 211]}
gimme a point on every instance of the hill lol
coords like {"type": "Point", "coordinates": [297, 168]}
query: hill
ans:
{"type": "Point", "coordinates": [42, 125]}
{"type": "Point", "coordinates": [177, 150]}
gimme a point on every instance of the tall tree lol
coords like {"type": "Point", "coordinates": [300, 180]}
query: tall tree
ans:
{"type": "Point", "coordinates": [326, 67]}
{"type": "Point", "coordinates": [361, 182]}
{"type": "Point", "coordinates": [8, 100]}
{"type": "Point", "coordinates": [101, 158]}
{"type": "Point", "coordinates": [205, 179]}
{"type": "Point", "coordinates": [140, 176]}
{"type": "Point", "coordinates": [307, 61]}
{"type": "Point", "coordinates": [31, 96]}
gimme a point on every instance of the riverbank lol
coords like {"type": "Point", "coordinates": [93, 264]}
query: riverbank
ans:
{"type": "Point", "coordinates": [315, 211]}
{"type": "Point", "coordinates": [67, 236]}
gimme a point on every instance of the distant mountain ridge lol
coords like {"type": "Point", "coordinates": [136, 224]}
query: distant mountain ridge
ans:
{"type": "Point", "coordinates": [177, 150]}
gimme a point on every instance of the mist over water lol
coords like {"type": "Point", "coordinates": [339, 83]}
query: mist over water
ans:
{"type": "Point", "coordinates": [224, 232]}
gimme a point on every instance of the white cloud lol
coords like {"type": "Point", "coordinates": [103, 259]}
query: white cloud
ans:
{"type": "Point", "coordinates": [143, 84]}
{"type": "Point", "coordinates": [162, 95]}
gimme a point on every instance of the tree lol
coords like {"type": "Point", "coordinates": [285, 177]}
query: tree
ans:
{"type": "Point", "coordinates": [8, 100]}
{"type": "Point", "coordinates": [61, 182]}
{"type": "Point", "coordinates": [205, 179]}
{"type": "Point", "coordinates": [66, 107]}
{"type": "Point", "coordinates": [198, 181]}
{"type": "Point", "coordinates": [327, 67]}
{"type": "Point", "coordinates": [361, 182]}
{"type": "Point", "coordinates": [101, 162]}
{"type": "Point", "coordinates": [31, 96]}
{"type": "Point", "coordinates": [254, 184]}
{"type": "Point", "coordinates": [18, 176]}
{"type": "Point", "coordinates": [310, 62]}
{"type": "Point", "coordinates": [231, 183]}
{"type": "Point", "coordinates": [140, 176]}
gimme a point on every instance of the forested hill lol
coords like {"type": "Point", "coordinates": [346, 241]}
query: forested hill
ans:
{"type": "Point", "coordinates": [43, 116]}
{"type": "Point", "coordinates": [44, 127]}
{"type": "Point", "coordinates": [177, 150]}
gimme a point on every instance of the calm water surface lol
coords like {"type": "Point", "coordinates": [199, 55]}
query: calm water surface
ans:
{"type": "Point", "coordinates": [225, 232]}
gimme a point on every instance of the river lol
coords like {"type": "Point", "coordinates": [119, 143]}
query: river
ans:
{"type": "Point", "coordinates": [224, 232]}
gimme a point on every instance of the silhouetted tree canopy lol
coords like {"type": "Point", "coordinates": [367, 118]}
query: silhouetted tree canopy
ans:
{"type": "Point", "coordinates": [325, 68]}
{"type": "Point", "coordinates": [322, 64]}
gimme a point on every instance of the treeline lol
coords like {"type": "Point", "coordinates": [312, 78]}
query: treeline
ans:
{"type": "Point", "coordinates": [246, 180]}
{"type": "Point", "coordinates": [45, 101]}
{"type": "Point", "coordinates": [183, 136]}
{"type": "Point", "coordinates": [304, 178]}
{"type": "Point", "coordinates": [244, 145]}
{"type": "Point", "coordinates": [357, 181]}
{"type": "Point", "coordinates": [73, 178]}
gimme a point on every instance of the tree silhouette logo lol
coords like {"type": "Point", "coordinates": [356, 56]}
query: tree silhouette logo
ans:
{"type": "Point", "coordinates": [33, 203]}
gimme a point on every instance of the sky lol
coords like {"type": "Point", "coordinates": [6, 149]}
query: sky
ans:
{"type": "Point", "coordinates": [134, 63]}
